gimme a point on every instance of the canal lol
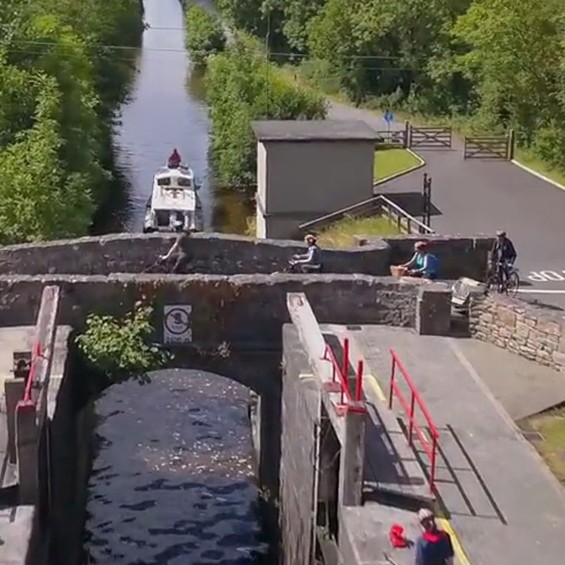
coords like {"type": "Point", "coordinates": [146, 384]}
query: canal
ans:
{"type": "Point", "coordinates": [173, 477]}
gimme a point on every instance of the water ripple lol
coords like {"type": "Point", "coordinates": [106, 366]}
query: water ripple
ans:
{"type": "Point", "coordinates": [164, 490]}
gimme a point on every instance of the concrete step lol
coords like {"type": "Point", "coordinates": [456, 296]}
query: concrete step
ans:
{"type": "Point", "coordinates": [391, 465]}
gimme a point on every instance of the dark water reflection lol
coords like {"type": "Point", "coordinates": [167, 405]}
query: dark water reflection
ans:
{"type": "Point", "coordinates": [172, 481]}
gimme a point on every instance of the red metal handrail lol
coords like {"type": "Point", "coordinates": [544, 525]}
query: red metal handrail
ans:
{"type": "Point", "coordinates": [35, 356]}
{"type": "Point", "coordinates": [429, 445]}
{"type": "Point", "coordinates": [341, 371]}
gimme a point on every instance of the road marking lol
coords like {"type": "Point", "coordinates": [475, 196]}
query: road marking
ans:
{"type": "Point", "coordinates": [541, 291]}
{"type": "Point", "coordinates": [547, 276]}
{"type": "Point", "coordinates": [305, 376]}
{"type": "Point", "coordinates": [376, 387]}
{"type": "Point", "coordinates": [462, 558]}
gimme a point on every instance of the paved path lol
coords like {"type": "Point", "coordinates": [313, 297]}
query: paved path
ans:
{"type": "Point", "coordinates": [503, 503]}
{"type": "Point", "coordinates": [477, 196]}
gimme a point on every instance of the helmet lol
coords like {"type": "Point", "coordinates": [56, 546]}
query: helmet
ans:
{"type": "Point", "coordinates": [425, 514]}
{"type": "Point", "coordinates": [500, 233]}
{"type": "Point", "coordinates": [310, 237]}
{"type": "Point", "coordinates": [420, 244]}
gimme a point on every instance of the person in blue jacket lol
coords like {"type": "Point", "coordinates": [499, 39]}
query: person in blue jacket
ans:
{"type": "Point", "coordinates": [434, 546]}
{"type": "Point", "coordinates": [423, 264]}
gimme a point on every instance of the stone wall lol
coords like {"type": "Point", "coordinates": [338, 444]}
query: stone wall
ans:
{"type": "Point", "coordinates": [245, 311]}
{"type": "Point", "coordinates": [300, 415]}
{"type": "Point", "coordinates": [525, 329]}
{"type": "Point", "coordinates": [212, 254]}
{"type": "Point", "coordinates": [229, 254]}
{"type": "Point", "coordinates": [459, 256]}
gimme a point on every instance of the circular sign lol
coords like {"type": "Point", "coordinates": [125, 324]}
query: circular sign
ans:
{"type": "Point", "coordinates": [177, 321]}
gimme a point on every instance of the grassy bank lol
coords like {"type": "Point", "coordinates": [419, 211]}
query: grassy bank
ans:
{"type": "Point", "coordinates": [391, 161]}
{"type": "Point", "coordinates": [342, 233]}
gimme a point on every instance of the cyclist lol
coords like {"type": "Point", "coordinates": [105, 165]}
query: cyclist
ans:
{"type": "Point", "coordinates": [423, 264]}
{"type": "Point", "coordinates": [180, 250]}
{"type": "Point", "coordinates": [502, 256]}
{"type": "Point", "coordinates": [309, 262]}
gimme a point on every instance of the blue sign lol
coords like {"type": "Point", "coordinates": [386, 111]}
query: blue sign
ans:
{"type": "Point", "coordinates": [388, 117]}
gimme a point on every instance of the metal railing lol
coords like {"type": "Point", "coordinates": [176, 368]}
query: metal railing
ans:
{"type": "Point", "coordinates": [35, 357]}
{"type": "Point", "coordinates": [349, 401]}
{"type": "Point", "coordinates": [428, 444]}
{"type": "Point", "coordinates": [376, 205]}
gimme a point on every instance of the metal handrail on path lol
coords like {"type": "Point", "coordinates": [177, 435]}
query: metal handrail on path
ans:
{"type": "Point", "coordinates": [340, 376]}
{"type": "Point", "coordinates": [371, 206]}
{"type": "Point", "coordinates": [429, 444]}
{"type": "Point", "coordinates": [35, 357]}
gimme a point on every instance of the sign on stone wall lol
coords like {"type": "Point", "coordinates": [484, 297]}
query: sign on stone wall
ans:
{"type": "Point", "coordinates": [177, 324]}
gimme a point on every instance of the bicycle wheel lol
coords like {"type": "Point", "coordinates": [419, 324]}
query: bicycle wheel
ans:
{"type": "Point", "coordinates": [493, 284]}
{"type": "Point", "coordinates": [512, 284]}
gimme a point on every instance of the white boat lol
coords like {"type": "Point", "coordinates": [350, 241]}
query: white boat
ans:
{"type": "Point", "coordinates": [174, 197]}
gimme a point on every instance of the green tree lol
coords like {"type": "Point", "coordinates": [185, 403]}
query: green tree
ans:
{"type": "Point", "coordinates": [120, 348]}
{"type": "Point", "coordinates": [205, 35]}
{"type": "Point", "coordinates": [241, 86]}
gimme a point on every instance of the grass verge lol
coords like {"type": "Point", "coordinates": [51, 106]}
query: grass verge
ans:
{"type": "Point", "coordinates": [551, 425]}
{"type": "Point", "coordinates": [342, 233]}
{"type": "Point", "coordinates": [391, 161]}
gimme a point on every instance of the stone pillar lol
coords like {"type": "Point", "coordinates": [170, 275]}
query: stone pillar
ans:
{"type": "Point", "coordinates": [352, 459]}
{"type": "Point", "coordinates": [14, 390]}
{"type": "Point", "coordinates": [433, 310]}
{"type": "Point", "coordinates": [27, 445]}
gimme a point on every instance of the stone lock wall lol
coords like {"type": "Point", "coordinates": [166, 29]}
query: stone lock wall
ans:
{"type": "Point", "coordinates": [230, 254]}
{"type": "Point", "coordinates": [524, 329]}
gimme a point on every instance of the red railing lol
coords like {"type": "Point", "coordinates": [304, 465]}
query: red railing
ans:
{"type": "Point", "coordinates": [341, 381]}
{"type": "Point", "coordinates": [35, 356]}
{"type": "Point", "coordinates": [429, 444]}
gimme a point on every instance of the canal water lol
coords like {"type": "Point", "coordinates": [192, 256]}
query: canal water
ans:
{"type": "Point", "coordinates": [173, 478]}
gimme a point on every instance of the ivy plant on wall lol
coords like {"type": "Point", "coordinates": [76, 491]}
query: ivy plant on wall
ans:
{"type": "Point", "coordinates": [120, 348]}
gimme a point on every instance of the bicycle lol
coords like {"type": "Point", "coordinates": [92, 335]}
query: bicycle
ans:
{"type": "Point", "coordinates": [296, 268]}
{"type": "Point", "coordinates": [508, 284]}
{"type": "Point", "coordinates": [166, 268]}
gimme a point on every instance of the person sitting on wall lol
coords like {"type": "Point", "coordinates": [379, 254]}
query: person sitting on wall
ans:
{"type": "Point", "coordinates": [180, 250]}
{"type": "Point", "coordinates": [423, 264]}
{"type": "Point", "coordinates": [309, 262]}
{"type": "Point", "coordinates": [174, 160]}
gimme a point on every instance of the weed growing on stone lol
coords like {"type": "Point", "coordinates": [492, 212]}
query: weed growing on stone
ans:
{"type": "Point", "coordinates": [120, 348]}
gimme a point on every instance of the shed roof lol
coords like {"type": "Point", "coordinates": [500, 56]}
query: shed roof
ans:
{"type": "Point", "coordinates": [314, 130]}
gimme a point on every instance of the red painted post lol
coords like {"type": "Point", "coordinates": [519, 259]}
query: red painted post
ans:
{"type": "Point", "coordinates": [346, 359]}
{"type": "Point", "coordinates": [359, 381]}
{"type": "Point", "coordinates": [411, 416]}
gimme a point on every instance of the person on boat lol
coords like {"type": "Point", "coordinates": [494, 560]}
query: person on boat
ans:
{"type": "Point", "coordinates": [174, 160]}
{"type": "Point", "coordinates": [423, 264]}
{"type": "Point", "coordinates": [180, 250]}
{"type": "Point", "coordinates": [309, 262]}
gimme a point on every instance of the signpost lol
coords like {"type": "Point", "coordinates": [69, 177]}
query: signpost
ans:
{"type": "Point", "coordinates": [177, 324]}
{"type": "Point", "coordinates": [388, 118]}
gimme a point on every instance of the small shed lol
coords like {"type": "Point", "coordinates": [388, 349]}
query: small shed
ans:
{"type": "Point", "coordinates": [309, 168]}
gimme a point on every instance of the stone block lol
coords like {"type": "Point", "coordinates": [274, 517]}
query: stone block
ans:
{"type": "Point", "coordinates": [505, 316]}
{"type": "Point", "coordinates": [558, 359]}
{"type": "Point", "coordinates": [433, 310]}
{"type": "Point", "coordinates": [27, 447]}
{"type": "Point", "coordinates": [13, 392]}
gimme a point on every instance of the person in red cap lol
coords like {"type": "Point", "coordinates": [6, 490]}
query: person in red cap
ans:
{"type": "Point", "coordinates": [434, 546]}
{"type": "Point", "coordinates": [174, 160]}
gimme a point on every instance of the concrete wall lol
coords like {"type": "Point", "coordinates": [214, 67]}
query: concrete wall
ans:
{"type": "Point", "coordinates": [301, 408]}
{"type": "Point", "coordinates": [325, 176]}
{"type": "Point", "coordinates": [221, 254]}
{"type": "Point", "coordinates": [529, 331]}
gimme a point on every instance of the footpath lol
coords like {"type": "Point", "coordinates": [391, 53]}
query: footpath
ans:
{"type": "Point", "coordinates": [500, 502]}
{"type": "Point", "coordinates": [479, 196]}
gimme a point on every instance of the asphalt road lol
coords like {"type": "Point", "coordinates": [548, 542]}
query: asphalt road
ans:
{"type": "Point", "coordinates": [478, 197]}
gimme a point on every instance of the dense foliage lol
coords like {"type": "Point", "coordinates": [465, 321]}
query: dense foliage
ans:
{"type": "Point", "coordinates": [494, 64]}
{"type": "Point", "coordinates": [242, 86]}
{"type": "Point", "coordinates": [120, 348]}
{"type": "Point", "coordinates": [60, 84]}
{"type": "Point", "coordinates": [205, 35]}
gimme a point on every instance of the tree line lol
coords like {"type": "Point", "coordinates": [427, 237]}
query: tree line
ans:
{"type": "Point", "coordinates": [63, 73]}
{"type": "Point", "coordinates": [241, 86]}
{"type": "Point", "coordinates": [489, 64]}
